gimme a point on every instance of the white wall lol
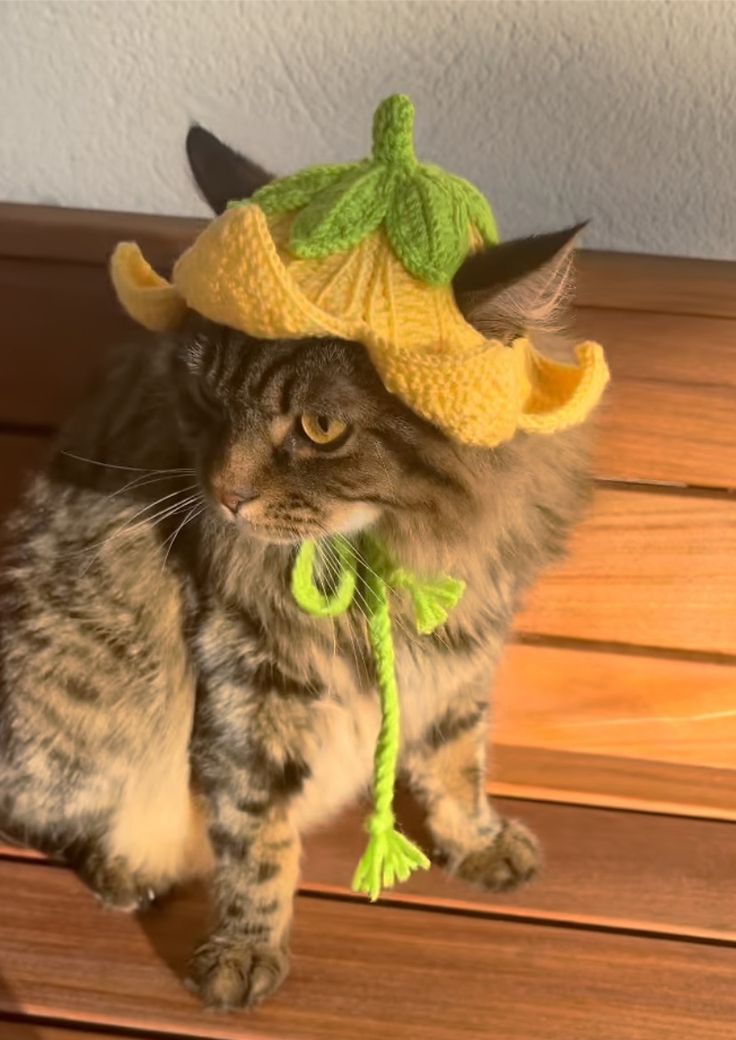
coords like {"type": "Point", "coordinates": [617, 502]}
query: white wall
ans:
{"type": "Point", "coordinates": [625, 112]}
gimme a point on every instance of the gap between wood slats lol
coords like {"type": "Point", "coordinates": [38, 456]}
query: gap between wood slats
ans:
{"type": "Point", "coordinates": [48, 432]}
{"type": "Point", "coordinates": [626, 281]}
{"type": "Point", "coordinates": [648, 873]}
{"type": "Point", "coordinates": [645, 569]}
{"type": "Point", "coordinates": [654, 390]}
{"type": "Point", "coordinates": [24, 1027]}
{"type": "Point", "coordinates": [361, 964]}
{"type": "Point", "coordinates": [623, 649]}
{"type": "Point", "coordinates": [609, 781]}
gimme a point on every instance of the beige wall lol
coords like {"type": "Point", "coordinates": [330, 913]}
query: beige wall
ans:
{"type": "Point", "coordinates": [558, 110]}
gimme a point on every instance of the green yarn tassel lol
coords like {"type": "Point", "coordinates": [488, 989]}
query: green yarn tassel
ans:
{"type": "Point", "coordinates": [389, 855]}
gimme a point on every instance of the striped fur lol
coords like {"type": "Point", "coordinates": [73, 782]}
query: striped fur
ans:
{"type": "Point", "coordinates": [167, 711]}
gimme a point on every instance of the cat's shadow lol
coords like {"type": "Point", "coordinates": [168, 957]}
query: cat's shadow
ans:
{"type": "Point", "coordinates": [177, 923]}
{"type": "Point", "coordinates": [12, 1015]}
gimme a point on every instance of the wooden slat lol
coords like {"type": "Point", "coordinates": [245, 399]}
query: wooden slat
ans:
{"type": "Point", "coordinates": [617, 704]}
{"type": "Point", "coordinates": [665, 874]}
{"type": "Point", "coordinates": [646, 569]}
{"type": "Point", "coordinates": [630, 870]}
{"type": "Point", "coordinates": [19, 457]}
{"type": "Point", "coordinates": [359, 967]}
{"type": "Point", "coordinates": [674, 285]}
{"type": "Point", "coordinates": [16, 1029]}
{"type": "Point", "coordinates": [59, 320]}
{"type": "Point", "coordinates": [632, 281]}
{"type": "Point", "coordinates": [612, 781]}
{"type": "Point", "coordinates": [670, 372]}
{"type": "Point", "coordinates": [88, 236]}
{"type": "Point", "coordinates": [669, 412]}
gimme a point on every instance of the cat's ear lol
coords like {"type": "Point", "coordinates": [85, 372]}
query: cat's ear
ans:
{"type": "Point", "coordinates": [221, 173]}
{"type": "Point", "coordinates": [517, 284]}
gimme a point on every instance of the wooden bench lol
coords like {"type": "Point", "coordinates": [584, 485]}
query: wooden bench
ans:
{"type": "Point", "coordinates": [615, 721]}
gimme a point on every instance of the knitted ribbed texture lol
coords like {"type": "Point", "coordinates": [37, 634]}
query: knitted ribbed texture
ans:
{"type": "Point", "coordinates": [428, 214]}
{"type": "Point", "coordinates": [365, 252]}
{"type": "Point", "coordinates": [389, 855]}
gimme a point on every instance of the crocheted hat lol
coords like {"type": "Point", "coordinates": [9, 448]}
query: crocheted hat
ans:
{"type": "Point", "coordinates": [366, 252]}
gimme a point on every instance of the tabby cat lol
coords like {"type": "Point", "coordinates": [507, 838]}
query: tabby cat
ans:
{"type": "Point", "coordinates": [166, 710]}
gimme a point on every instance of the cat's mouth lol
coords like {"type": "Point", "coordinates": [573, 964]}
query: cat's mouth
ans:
{"type": "Point", "coordinates": [292, 530]}
{"type": "Point", "coordinates": [283, 533]}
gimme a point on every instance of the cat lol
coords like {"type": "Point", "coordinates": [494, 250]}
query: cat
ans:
{"type": "Point", "coordinates": [166, 710]}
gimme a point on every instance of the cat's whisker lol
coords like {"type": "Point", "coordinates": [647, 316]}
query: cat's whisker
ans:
{"type": "Point", "coordinates": [331, 559]}
{"type": "Point", "coordinates": [158, 518]}
{"type": "Point", "coordinates": [130, 469]}
{"type": "Point", "coordinates": [154, 519]}
{"type": "Point", "coordinates": [144, 481]}
{"type": "Point", "coordinates": [397, 620]}
{"type": "Point", "coordinates": [119, 530]}
{"type": "Point", "coordinates": [363, 610]}
{"type": "Point", "coordinates": [191, 515]}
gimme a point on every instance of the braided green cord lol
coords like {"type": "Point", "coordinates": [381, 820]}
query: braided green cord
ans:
{"type": "Point", "coordinates": [389, 855]}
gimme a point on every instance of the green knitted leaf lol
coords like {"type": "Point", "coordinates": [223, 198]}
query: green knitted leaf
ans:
{"type": "Point", "coordinates": [480, 213]}
{"type": "Point", "coordinates": [297, 191]}
{"type": "Point", "coordinates": [427, 223]}
{"type": "Point", "coordinates": [343, 213]}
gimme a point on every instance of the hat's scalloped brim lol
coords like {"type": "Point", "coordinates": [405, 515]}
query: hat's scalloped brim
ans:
{"type": "Point", "coordinates": [233, 275]}
{"type": "Point", "coordinates": [147, 297]}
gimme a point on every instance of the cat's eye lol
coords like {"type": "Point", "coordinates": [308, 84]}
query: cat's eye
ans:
{"type": "Point", "coordinates": [321, 429]}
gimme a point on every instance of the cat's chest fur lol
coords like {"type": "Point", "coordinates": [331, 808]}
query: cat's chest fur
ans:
{"type": "Point", "coordinates": [434, 678]}
{"type": "Point", "coordinates": [334, 732]}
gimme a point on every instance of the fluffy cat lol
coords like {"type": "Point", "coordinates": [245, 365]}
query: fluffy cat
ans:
{"type": "Point", "coordinates": [166, 710]}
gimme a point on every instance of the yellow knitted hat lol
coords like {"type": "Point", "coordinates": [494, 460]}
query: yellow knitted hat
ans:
{"type": "Point", "coordinates": [367, 252]}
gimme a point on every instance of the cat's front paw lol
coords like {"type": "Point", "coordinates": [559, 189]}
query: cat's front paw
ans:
{"type": "Point", "coordinates": [229, 972]}
{"type": "Point", "coordinates": [510, 859]}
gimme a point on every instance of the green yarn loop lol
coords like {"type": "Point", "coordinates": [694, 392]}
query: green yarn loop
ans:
{"type": "Point", "coordinates": [389, 855]}
{"type": "Point", "coordinates": [306, 593]}
{"type": "Point", "coordinates": [428, 214]}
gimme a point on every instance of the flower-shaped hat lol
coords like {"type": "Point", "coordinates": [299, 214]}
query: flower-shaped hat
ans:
{"type": "Point", "coordinates": [366, 252]}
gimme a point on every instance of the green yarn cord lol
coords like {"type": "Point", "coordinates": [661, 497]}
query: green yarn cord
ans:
{"type": "Point", "coordinates": [427, 213]}
{"type": "Point", "coordinates": [389, 855]}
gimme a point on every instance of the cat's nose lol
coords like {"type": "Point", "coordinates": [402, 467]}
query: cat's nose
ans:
{"type": "Point", "coordinates": [234, 501]}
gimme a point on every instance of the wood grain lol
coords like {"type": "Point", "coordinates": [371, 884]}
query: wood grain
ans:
{"type": "Point", "coordinates": [612, 869]}
{"type": "Point", "coordinates": [88, 236]}
{"type": "Point", "coordinates": [647, 569]}
{"type": "Point", "coordinates": [616, 704]}
{"type": "Point", "coordinates": [670, 284]}
{"type": "Point", "coordinates": [634, 870]}
{"type": "Point", "coordinates": [16, 1029]}
{"type": "Point", "coordinates": [60, 316]}
{"type": "Point", "coordinates": [59, 320]}
{"type": "Point", "coordinates": [631, 281]}
{"type": "Point", "coordinates": [669, 412]}
{"type": "Point", "coordinates": [612, 781]}
{"type": "Point", "coordinates": [443, 976]}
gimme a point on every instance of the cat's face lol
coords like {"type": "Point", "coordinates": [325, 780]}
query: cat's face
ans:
{"type": "Point", "coordinates": [299, 439]}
